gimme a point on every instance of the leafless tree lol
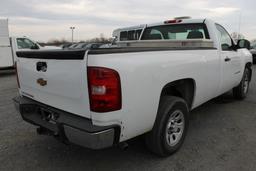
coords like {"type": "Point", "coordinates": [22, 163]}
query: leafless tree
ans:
{"type": "Point", "coordinates": [58, 42]}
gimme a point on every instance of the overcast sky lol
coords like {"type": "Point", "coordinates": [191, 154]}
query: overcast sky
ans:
{"type": "Point", "coordinates": [47, 19]}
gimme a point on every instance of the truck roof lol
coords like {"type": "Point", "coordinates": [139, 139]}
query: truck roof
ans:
{"type": "Point", "coordinates": [142, 26]}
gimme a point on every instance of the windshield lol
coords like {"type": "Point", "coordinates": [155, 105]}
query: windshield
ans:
{"type": "Point", "coordinates": [176, 32]}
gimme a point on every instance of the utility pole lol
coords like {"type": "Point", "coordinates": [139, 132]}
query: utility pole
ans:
{"type": "Point", "coordinates": [72, 32]}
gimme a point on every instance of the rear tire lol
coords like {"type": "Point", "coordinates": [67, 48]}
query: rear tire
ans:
{"type": "Point", "coordinates": [170, 127]}
{"type": "Point", "coordinates": [240, 92]}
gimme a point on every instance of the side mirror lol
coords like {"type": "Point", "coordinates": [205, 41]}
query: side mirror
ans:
{"type": "Point", "coordinates": [243, 43]}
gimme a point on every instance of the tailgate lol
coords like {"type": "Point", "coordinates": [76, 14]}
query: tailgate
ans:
{"type": "Point", "coordinates": [55, 78]}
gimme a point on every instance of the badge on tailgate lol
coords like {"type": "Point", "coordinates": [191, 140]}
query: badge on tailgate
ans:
{"type": "Point", "coordinates": [41, 82]}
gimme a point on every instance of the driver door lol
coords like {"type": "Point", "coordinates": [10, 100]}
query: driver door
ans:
{"type": "Point", "coordinates": [230, 61]}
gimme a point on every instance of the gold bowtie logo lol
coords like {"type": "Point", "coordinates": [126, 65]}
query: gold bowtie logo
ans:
{"type": "Point", "coordinates": [41, 82]}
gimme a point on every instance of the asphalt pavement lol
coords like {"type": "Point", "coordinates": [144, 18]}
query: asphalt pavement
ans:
{"type": "Point", "coordinates": [221, 136]}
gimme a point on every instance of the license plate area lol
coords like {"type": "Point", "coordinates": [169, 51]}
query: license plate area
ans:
{"type": "Point", "coordinates": [48, 115]}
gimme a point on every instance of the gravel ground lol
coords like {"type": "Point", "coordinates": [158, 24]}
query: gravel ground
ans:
{"type": "Point", "coordinates": [222, 136]}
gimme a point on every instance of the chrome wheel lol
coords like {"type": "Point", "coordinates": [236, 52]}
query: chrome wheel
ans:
{"type": "Point", "coordinates": [175, 128]}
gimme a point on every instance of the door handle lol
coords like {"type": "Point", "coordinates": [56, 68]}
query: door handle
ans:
{"type": "Point", "coordinates": [227, 59]}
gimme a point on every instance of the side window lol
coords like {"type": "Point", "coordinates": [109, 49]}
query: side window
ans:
{"type": "Point", "coordinates": [152, 34]}
{"type": "Point", "coordinates": [137, 34]}
{"type": "Point", "coordinates": [225, 39]}
{"type": "Point", "coordinates": [130, 35]}
{"type": "Point", "coordinates": [24, 43]}
{"type": "Point", "coordinates": [21, 44]}
{"type": "Point", "coordinates": [123, 36]}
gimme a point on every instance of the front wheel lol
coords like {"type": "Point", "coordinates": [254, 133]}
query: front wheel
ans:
{"type": "Point", "coordinates": [240, 92]}
{"type": "Point", "coordinates": [170, 126]}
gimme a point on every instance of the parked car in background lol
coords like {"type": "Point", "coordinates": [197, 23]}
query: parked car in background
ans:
{"type": "Point", "coordinates": [50, 47]}
{"type": "Point", "coordinates": [109, 45]}
{"type": "Point", "coordinates": [81, 45]}
{"type": "Point", "coordinates": [92, 45]}
{"type": "Point", "coordinates": [86, 46]}
{"type": "Point", "coordinates": [66, 45]}
{"type": "Point", "coordinates": [253, 52]}
{"type": "Point", "coordinates": [73, 46]}
{"type": "Point", "coordinates": [103, 97]}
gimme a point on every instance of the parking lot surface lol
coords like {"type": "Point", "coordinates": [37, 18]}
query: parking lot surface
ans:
{"type": "Point", "coordinates": [221, 136]}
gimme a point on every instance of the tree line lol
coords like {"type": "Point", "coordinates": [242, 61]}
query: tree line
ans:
{"type": "Point", "coordinates": [102, 39]}
{"type": "Point", "coordinates": [58, 42]}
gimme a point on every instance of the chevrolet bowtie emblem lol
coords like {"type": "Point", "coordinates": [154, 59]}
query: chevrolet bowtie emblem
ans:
{"type": "Point", "coordinates": [41, 82]}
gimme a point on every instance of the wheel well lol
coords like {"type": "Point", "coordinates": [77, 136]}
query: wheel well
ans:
{"type": "Point", "coordinates": [184, 88]}
{"type": "Point", "coordinates": [249, 65]}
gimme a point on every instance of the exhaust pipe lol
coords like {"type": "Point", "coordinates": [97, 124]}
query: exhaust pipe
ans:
{"type": "Point", "coordinates": [123, 146]}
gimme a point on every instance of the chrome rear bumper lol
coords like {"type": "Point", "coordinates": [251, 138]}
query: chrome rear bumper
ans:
{"type": "Point", "coordinates": [69, 127]}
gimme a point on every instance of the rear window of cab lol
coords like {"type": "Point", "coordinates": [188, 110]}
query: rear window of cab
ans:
{"type": "Point", "coordinates": [176, 32]}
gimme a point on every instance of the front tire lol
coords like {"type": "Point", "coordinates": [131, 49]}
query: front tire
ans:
{"type": "Point", "coordinates": [170, 127]}
{"type": "Point", "coordinates": [240, 92]}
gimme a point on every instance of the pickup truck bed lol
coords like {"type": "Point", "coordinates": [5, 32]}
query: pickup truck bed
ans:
{"type": "Point", "coordinates": [142, 87]}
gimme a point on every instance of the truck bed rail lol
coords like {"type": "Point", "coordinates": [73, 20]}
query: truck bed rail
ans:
{"type": "Point", "coordinates": [195, 43]}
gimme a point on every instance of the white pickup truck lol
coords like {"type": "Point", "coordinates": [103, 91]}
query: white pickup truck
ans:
{"type": "Point", "coordinates": [10, 45]}
{"type": "Point", "coordinates": [103, 97]}
{"type": "Point", "coordinates": [9, 49]}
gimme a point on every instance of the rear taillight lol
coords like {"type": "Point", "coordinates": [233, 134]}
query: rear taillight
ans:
{"type": "Point", "coordinates": [17, 76]}
{"type": "Point", "coordinates": [104, 89]}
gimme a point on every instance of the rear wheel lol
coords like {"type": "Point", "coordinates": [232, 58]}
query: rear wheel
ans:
{"type": "Point", "coordinates": [170, 126]}
{"type": "Point", "coordinates": [240, 92]}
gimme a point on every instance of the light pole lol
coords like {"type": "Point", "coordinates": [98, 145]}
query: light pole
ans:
{"type": "Point", "coordinates": [72, 32]}
{"type": "Point", "coordinates": [239, 24]}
